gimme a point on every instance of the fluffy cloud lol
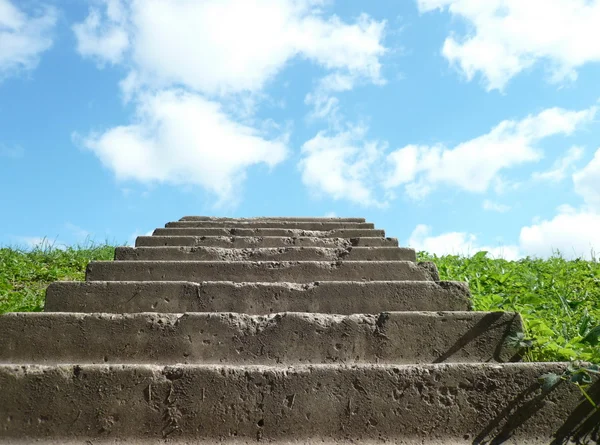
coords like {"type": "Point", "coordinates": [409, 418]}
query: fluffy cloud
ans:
{"type": "Point", "coordinates": [561, 166]}
{"type": "Point", "coordinates": [247, 46]}
{"type": "Point", "coordinates": [38, 242]}
{"type": "Point", "coordinates": [456, 243]}
{"type": "Point", "coordinates": [182, 138]}
{"type": "Point", "coordinates": [473, 165]}
{"type": "Point", "coordinates": [587, 183]}
{"type": "Point", "coordinates": [495, 207]}
{"type": "Point", "coordinates": [102, 35]}
{"type": "Point", "coordinates": [341, 166]}
{"type": "Point", "coordinates": [575, 234]}
{"type": "Point", "coordinates": [23, 37]}
{"type": "Point", "coordinates": [218, 54]}
{"type": "Point", "coordinates": [345, 165]}
{"type": "Point", "coordinates": [509, 36]}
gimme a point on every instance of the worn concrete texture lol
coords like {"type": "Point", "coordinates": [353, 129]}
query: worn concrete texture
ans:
{"type": "Point", "coordinates": [442, 403]}
{"type": "Point", "coordinates": [299, 225]}
{"type": "Point", "coordinates": [286, 338]}
{"type": "Point", "coordinates": [214, 231]}
{"type": "Point", "coordinates": [272, 218]}
{"type": "Point", "coordinates": [260, 271]}
{"type": "Point", "coordinates": [240, 242]}
{"type": "Point", "coordinates": [327, 297]}
{"type": "Point", "coordinates": [202, 253]}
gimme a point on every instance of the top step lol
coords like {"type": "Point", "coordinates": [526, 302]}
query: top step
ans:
{"type": "Point", "coordinates": [273, 218]}
{"type": "Point", "coordinates": [304, 225]}
{"type": "Point", "coordinates": [260, 231]}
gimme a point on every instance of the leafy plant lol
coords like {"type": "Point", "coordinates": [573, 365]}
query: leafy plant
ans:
{"type": "Point", "coordinates": [578, 373]}
{"type": "Point", "coordinates": [557, 298]}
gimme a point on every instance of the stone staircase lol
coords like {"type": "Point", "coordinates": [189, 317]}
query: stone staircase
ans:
{"type": "Point", "coordinates": [281, 330]}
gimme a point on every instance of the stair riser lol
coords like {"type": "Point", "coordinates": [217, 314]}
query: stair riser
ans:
{"type": "Point", "coordinates": [238, 242]}
{"type": "Point", "coordinates": [341, 233]}
{"type": "Point", "coordinates": [265, 254]}
{"type": "Point", "coordinates": [289, 338]}
{"type": "Point", "coordinates": [301, 225]}
{"type": "Point", "coordinates": [270, 218]}
{"type": "Point", "coordinates": [241, 271]}
{"type": "Point", "coordinates": [257, 299]}
{"type": "Point", "coordinates": [440, 403]}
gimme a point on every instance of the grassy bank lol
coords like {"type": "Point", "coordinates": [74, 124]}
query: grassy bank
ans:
{"type": "Point", "coordinates": [559, 299]}
{"type": "Point", "coordinates": [24, 275]}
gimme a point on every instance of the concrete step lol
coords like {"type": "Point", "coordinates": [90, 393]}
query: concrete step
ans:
{"type": "Point", "coordinates": [299, 225]}
{"type": "Point", "coordinates": [286, 338]}
{"type": "Point", "coordinates": [260, 271]}
{"type": "Point", "coordinates": [338, 233]}
{"type": "Point", "coordinates": [262, 241]}
{"type": "Point", "coordinates": [454, 403]}
{"type": "Point", "coordinates": [272, 224]}
{"type": "Point", "coordinates": [332, 297]}
{"type": "Point", "coordinates": [273, 218]}
{"type": "Point", "coordinates": [265, 254]}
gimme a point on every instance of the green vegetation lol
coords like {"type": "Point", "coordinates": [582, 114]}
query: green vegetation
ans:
{"type": "Point", "coordinates": [558, 299]}
{"type": "Point", "coordinates": [24, 275]}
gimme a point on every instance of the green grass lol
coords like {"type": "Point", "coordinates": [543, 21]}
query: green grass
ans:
{"type": "Point", "coordinates": [24, 275]}
{"type": "Point", "coordinates": [558, 299]}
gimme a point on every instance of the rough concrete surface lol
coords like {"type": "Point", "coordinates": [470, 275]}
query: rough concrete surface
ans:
{"type": "Point", "coordinates": [443, 403]}
{"type": "Point", "coordinates": [355, 349]}
{"type": "Point", "coordinates": [233, 338]}
{"type": "Point", "coordinates": [301, 225]}
{"type": "Point", "coordinates": [272, 218]}
{"type": "Point", "coordinates": [327, 297]}
{"type": "Point", "coordinates": [262, 241]}
{"type": "Point", "coordinates": [202, 253]}
{"type": "Point", "coordinates": [214, 231]}
{"type": "Point", "coordinates": [263, 271]}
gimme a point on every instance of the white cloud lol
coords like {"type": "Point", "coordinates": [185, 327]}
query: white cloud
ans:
{"type": "Point", "coordinates": [23, 38]}
{"type": "Point", "coordinates": [561, 166]}
{"type": "Point", "coordinates": [225, 50]}
{"type": "Point", "coordinates": [477, 163]}
{"type": "Point", "coordinates": [38, 242]}
{"type": "Point", "coordinates": [323, 101]}
{"type": "Point", "coordinates": [456, 243]}
{"type": "Point", "coordinates": [103, 36]}
{"type": "Point", "coordinates": [495, 207]}
{"type": "Point", "coordinates": [134, 235]}
{"type": "Point", "coordinates": [341, 165]}
{"type": "Point", "coordinates": [587, 183]}
{"type": "Point", "coordinates": [79, 234]}
{"type": "Point", "coordinates": [183, 138]}
{"type": "Point", "coordinates": [510, 36]}
{"type": "Point", "coordinates": [345, 165]}
{"type": "Point", "coordinates": [574, 233]}
{"type": "Point", "coordinates": [183, 43]}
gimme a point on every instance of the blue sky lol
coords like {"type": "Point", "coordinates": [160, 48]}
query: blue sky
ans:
{"type": "Point", "coordinates": [455, 125]}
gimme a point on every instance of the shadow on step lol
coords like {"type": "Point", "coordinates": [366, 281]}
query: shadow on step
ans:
{"type": "Point", "coordinates": [582, 427]}
{"type": "Point", "coordinates": [486, 323]}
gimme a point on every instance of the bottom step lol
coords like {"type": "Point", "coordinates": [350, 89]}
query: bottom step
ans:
{"type": "Point", "coordinates": [426, 404]}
